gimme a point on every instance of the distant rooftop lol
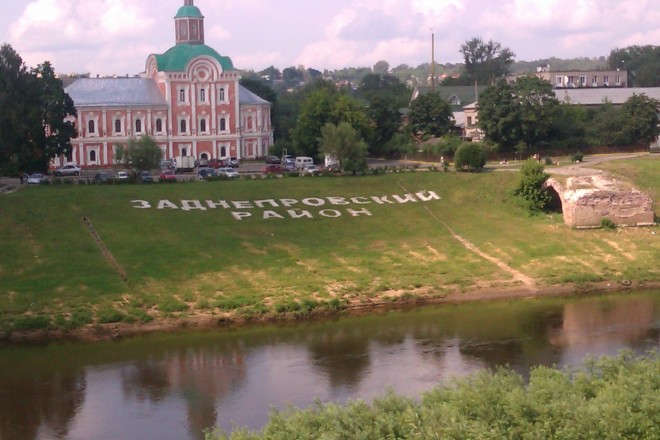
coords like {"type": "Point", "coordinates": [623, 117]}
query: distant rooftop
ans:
{"type": "Point", "coordinates": [121, 92]}
{"type": "Point", "coordinates": [596, 96]}
{"type": "Point", "coordinates": [246, 97]}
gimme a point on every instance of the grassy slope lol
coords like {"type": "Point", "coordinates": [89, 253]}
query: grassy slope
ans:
{"type": "Point", "coordinates": [53, 274]}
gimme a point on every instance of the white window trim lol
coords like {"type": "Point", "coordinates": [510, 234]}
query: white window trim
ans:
{"type": "Point", "coordinates": [143, 127]}
{"type": "Point", "coordinates": [207, 128]}
{"type": "Point", "coordinates": [121, 126]}
{"type": "Point", "coordinates": [227, 127]}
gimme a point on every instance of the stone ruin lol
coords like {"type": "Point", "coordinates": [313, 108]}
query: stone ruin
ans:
{"type": "Point", "coordinates": [587, 200]}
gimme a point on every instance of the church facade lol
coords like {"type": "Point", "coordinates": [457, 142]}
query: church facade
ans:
{"type": "Point", "coordinates": [188, 100]}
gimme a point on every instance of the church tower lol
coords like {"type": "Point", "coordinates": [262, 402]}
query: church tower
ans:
{"type": "Point", "coordinates": [189, 23]}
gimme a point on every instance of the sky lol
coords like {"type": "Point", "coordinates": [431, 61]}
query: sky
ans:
{"type": "Point", "coordinates": [108, 37]}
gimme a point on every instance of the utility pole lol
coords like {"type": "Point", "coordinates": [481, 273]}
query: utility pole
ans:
{"type": "Point", "coordinates": [432, 60]}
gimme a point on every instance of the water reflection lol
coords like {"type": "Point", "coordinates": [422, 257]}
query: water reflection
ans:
{"type": "Point", "coordinates": [175, 386]}
{"type": "Point", "coordinates": [42, 403]}
{"type": "Point", "coordinates": [201, 377]}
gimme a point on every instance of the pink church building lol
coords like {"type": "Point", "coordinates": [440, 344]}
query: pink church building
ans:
{"type": "Point", "coordinates": [188, 100]}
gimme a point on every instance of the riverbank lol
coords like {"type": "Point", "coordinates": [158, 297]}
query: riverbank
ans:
{"type": "Point", "coordinates": [96, 262]}
{"type": "Point", "coordinates": [404, 300]}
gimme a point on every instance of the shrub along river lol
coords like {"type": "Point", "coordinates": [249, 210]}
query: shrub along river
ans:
{"type": "Point", "coordinates": [173, 386]}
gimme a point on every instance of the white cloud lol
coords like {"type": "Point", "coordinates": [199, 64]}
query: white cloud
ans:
{"type": "Point", "coordinates": [111, 36]}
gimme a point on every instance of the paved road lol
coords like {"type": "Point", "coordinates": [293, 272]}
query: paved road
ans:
{"type": "Point", "coordinates": [584, 167]}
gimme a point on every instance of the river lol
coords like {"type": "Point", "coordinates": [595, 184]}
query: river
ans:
{"type": "Point", "coordinates": [173, 386]}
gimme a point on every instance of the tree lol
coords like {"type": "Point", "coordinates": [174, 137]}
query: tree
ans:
{"type": "Point", "coordinates": [538, 108]}
{"type": "Point", "coordinates": [485, 62]}
{"type": "Point", "coordinates": [469, 157]}
{"type": "Point", "coordinates": [641, 119]}
{"type": "Point", "coordinates": [384, 95]}
{"type": "Point", "coordinates": [140, 154]}
{"type": "Point", "coordinates": [499, 116]}
{"type": "Point", "coordinates": [606, 126]}
{"type": "Point", "coordinates": [322, 105]}
{"type": "Point", "coordinates": [35, 114]}
{"type": "Point", "coordinates": [642, 63]}
{"type": "Point", "coordinates": [382, 67]}
{"type": "Point", "coordinates": [530, 188]}
{"type": "Point", "coordinates": [430, 114]}
{"type": "Point", "coordinates": [344, 143]}
{"type": "Point", "coordinates": [524, 111]}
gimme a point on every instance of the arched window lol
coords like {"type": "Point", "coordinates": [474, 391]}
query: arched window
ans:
{"type": "Point", "coordinates": [204, 156]}
{"type": "Point", "coordinates": [202, 125]}
{"type": "Point", "coordinates": [92, 156]}
{"type": "Point", "coordinates": [117, 125]}
{"type": "Point", "coordinates": [159, 125]}
{"type": "Point", "coordinates": [223, 152]}
{"type": "Point", "coordinates": [223, 124]}
{"type": "Point", "coordinates": [138, 125]}
{"type": "Point", "coordinates": [221, 94]}
{"type": "Point", "coordinates": [183, 126]}
{"type": "Point", "coordinates": [91, 127]}
{"type": "Point", "coordinates": [202, 95]}
{"type": "Point", "coordinates": [182, 95]}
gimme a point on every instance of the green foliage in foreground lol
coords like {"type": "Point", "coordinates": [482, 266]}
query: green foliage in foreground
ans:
{"type": "Point", "coordinates": [470, 157]}
{"type": "Point", "coordinates": [530, 186]}
{"type": "Point", "coordinates": [608, 398]}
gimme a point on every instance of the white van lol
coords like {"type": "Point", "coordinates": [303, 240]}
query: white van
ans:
{"type": "Point", "coordinates": [303, 161]}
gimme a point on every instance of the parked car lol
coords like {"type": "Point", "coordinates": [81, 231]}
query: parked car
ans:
{"type": "Point", "coordinates": [146, 177]}
{"type": "Point", "coordinates": [122, 176]}
{"type": "Point", "coordinates": [228, 172]}
{"type": "Point", "coordinates": [166, 165]}
{"type": "Point", "coordinates": [103, 178]}
{"type": "Point", "coordinates": [333, 168]}
{"type": "Point", "coordinates": [167, 176]}
{"type": "Point", "coordinates": [36, 178]}
{"type": "Point", "coordinates": [68, 170]}
{"type": "Point", "coordinates": [202, 163]}
{"type": "Point", "coordinates": [310, 170]}
{"type": "Point", "coordinates": [233, 162]}
{"type": "Point", "coordinates": [287, 158]}
{"type": "Point", "coordinates": [289, 166]}
{"type": "Point", "coordinates": [274, 168]}
{"type": "Point", "coordinates": [273, 159]}
{"type": "Point", "coordinates": [205, 173]}
{"type": "Point", "coordinates": [218, 163]}
{"type": "Point", "coordinates": [303, 161]}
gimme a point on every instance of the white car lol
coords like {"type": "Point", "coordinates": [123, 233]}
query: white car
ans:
{"type": "Point", "coordinates": [228, 172]}
{"type": "Point", "coordinates": [68, 170]}
{"type": "Point", "coordinates": [36, 178]}
{"type": "Point", "coordinates": [122, 175]}
{"type": "Point", "coordinates": [311, 170]}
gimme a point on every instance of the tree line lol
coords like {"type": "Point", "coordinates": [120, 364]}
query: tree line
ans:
{"type": "Point", "coordinates": [36, 116]}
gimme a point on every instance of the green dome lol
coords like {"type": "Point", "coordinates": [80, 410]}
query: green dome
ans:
{"type": "Point", "coordinates": [189, 11]}
{"type": "Point", "coordinates": [177, 58]}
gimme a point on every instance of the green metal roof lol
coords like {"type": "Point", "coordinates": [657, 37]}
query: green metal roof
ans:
{"type": "Point", "coordinates": [177, 58]}
{"type": "Point", "coordinates": [189, 11]}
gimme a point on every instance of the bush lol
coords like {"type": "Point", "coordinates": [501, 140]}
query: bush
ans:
{"type": "Point", "coordinates": [606, 223]}
{"type": "Point", "coordinates": [577, 157]}
{"type": "Point", "coordinates": [608, 398]}
{"type": "Point", "coordinates": [469, 157]}
{"type": "Point", "coordinates": [530, 187]}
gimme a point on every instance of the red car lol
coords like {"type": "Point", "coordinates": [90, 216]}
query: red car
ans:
{"type": "Point", "coordinates": [218, 163]}
{"type": "Point", "coordinates": [274, 169]}
{"type": "Point", "coordinates": [167, 176]}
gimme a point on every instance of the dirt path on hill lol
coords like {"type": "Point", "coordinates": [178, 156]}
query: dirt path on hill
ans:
{"type": "Point", "coordinates": [516, 275]}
